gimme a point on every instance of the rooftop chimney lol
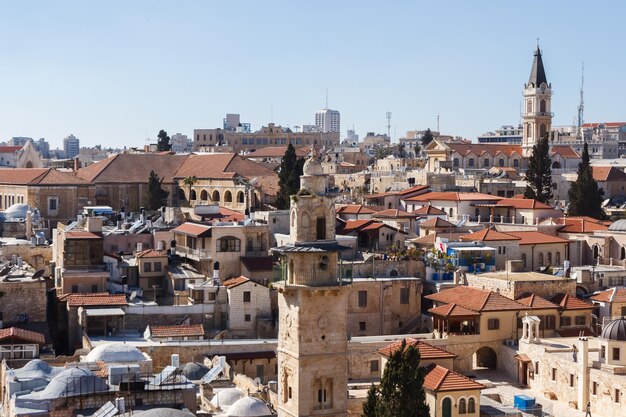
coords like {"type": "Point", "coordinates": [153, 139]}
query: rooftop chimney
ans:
{"type": "Point", "coordinates": [76, 164]}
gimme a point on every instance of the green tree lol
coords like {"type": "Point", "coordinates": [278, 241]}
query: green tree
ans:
{"type": "Point", "coordinates": [381, 152]}
{"type": "Point", "coordinates": [427, 137]}
{"type": "Point", "coordinates": [291, 167]}
{"type": "Point", "coordinates": [539, 173]}
{"type": "Point", "coordinates": [163, 144]}
{"type": "Point", "coordinates": [156, 196]}
{"type": "Point", "coordinates": [189, 182]}
{"type": "Point", "coordinates": [401, 390]}
{"type": "Point", "coordinates": [585, 197]}
{"type": "Point", "coordinates": [417, 148]}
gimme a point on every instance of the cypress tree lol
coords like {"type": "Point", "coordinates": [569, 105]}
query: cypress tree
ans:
{"type": "Point", "coordinates": [156, 196]}
{"type": "Point", "coordinates": [288, 177]}
{"type": "Point", "coordinates": [401, 390]}
{"type": "Point", "coordinates": [585, 197]}
{"type": "Point", "coordinates": [163, 144]}
{"type": "Point", "coordinates": [427, 137]}
{"type": "Point", "coordinates": [539, 173]}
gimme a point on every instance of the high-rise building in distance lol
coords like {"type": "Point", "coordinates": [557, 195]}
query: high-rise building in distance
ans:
{"type": "Point", "coordinates": [328, 120]}
{"type": "Point", "coordinates": [71, 146]}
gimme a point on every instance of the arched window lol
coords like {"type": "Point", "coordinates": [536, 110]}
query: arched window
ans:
{"type": "Point", "coordinates": [558, 258]}
{"type": "Point", "coordinates": [549, 258]}
{"type": "Point", "coordinates": [240, 197]}
{"type": "Point", "coordinates": [471, 405]}
{"type": "Point", "coordinates": [446, 407]}
{"type": "Point", "coordinates": [541, 259]}
{"type": "Point", "coordinates": [542, 106]}
{"type": "Point", "coordinates": [470, 162]}
{"type": "Point", "coordinates": [204, 195]}
{"type": "Point", "coordinates": [516, 163]}
{"type": "Point", "coordinates": [193, 195]}
{"type": "Point", "coordinates": [393, 273]}
{"type": "Point", "coordinates": [462, 406]}
{"type": "Point", "coordinates": [527, 129]}
{"type": "Point", "coordinates": [501, 162]}
{"type": "Point", "coordinates": [529, 106]}
{"type": "Point", "coordinates": [556, 165]}
{"type": "Point", "coordinates": [622, 253]}
{"type": "Point", "coordinates": [228, 244]}
{"type": "Point", "coordinates": [451, 211]}
{"type": "Point", "coordinates": [486, 162]}
{"type": "Point", "coordinates": [596, 250]}
{"type": "Point", "coordinates": [215, 197]}
{"type": "Point", "coordinates": [228, 197]}
{"type": "Point", "coordinates": [320, 228]}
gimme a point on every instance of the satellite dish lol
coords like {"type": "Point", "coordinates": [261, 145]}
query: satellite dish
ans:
{"type": "Point", "coordinates": [6, 270]}
{"type": "Point", "coordinates": [133, 295]}
{"type": "Point", "coordinates": [38, 274]}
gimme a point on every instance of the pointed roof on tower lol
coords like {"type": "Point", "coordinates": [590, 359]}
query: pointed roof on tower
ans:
{"type": "Point", "coordinates": [537, 73]}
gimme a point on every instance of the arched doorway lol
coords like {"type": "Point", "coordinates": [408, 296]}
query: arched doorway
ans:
{"type": "Point", "coordinates": [446, 407]}
{"type": "Point", "coordinates": [193, 195]}
{"type": "Point", "coordinates": [596, 250]}
{"type": "Point", "coordinates": [485, 358]}
{"type": "Point", "coordinates": [29, 164]}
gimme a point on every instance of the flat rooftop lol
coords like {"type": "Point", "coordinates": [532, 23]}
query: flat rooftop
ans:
{"type": "Point", "coordinates": [521, 276]}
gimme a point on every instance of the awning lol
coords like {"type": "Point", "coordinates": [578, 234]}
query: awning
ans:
{"type": "Point", "coordinates": [103, 312]}
{"type": "Point", "coordinates": [522, 357]}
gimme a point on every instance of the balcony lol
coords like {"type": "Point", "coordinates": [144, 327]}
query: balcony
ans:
{"type": "Point", "coordinates": [310, 277]}
{"type": "Point", "coordinates": [195, 254]}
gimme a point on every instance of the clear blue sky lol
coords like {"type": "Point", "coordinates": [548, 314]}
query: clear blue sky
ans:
{"type": "Point", "coordinates": [110, 71]}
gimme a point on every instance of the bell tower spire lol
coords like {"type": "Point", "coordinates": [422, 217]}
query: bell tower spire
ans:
{"type": "Point", "coordinates": [537, 115]}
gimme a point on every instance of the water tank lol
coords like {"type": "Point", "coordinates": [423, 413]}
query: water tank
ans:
{"type": "Point", "coordinates": [120, 405]}
{"type": "Point", "coordinates": [523, 402]}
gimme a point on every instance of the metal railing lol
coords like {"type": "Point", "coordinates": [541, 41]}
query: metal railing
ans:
{"type": "Point", "coordinates": [313, 276]}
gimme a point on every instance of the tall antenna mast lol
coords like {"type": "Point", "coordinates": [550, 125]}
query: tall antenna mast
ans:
{"type": "Point", "coordinates": [438, 124]}
{"type": "Point", "coordinates": [581, 105]}
{"type": "Point", "coordinates": [389, 125]}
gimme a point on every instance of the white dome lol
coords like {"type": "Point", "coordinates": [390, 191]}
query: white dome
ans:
{"type": "Point", "coordinates": [226, 397]}
{"type": "Point", "coordinates": [115, 353]}
{"type": "Point", "coordinates": [70, 382]}
{"type": "Point", "coordinates": [249, 407]}
{"type": "Point", "coordinates": [312, 167]}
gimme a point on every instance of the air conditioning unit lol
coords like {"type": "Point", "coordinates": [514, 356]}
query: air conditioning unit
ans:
{"type": "Point", "coordinates": [509, 342]}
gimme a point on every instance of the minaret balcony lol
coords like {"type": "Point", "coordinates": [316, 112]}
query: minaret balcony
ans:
{"type": "Point", "coordinates": [311, 276]}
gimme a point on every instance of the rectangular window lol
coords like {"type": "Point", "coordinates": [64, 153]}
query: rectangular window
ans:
{"type": "Point", "coordinates": [602, 351]}
{"type": "Point", "coordinates": [94, 288]}
{"type": "Point", "coordinates": [550, 322]}
{"type": "Point", "coordinates": [493, 324]}
{"type": "Point", "coordinates": [247, 317]}
{"type": "Point", "coordinates": [246, 296]}
{"type": "Point", "coordinates": [157, 266]}
{"type": "Point", "coordinates": [362, 326]}
{"type": "Point", "coordinates": [554, 374]}
{"type": "Point", "coordinates": [594, 388]}
{"type": "Point", "coordinates": [615, 353]}
{"type": "Point", "coordinates": [537, 367]}
{"type": "Point", "coordinates": [321, 395]}
{"type": "Point", "coordinates": [566, 321]}
{"type": "Point", "coordinates": [211, 296]}
{"type": "Point", "coordinates": [289, 392]}
{"type": "Point", "coordinates": [580, 320]}
{"type": "Point", "coordinates": [74, 288]}
{"type": "Point", "coordinates": [53, 204]}
{"type": "Point", "coordinates": [228, 245]}
{"type": "Point", "coordinates": [404, 296]}
{"type": "Point", "coordinates": [571, 380]}
{"type": "Point", "coordinates": [373, 366]}
{"type": "Point", "coordinates": [147, 267]}
{"type": "Point", "coordinates": [362, 298]}
{"type": "Point", "coordinates": [617, 393]}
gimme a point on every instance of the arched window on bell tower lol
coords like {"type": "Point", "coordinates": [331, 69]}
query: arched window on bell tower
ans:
{"type": "Point", "coordinates": [320, 228]}
{"type": "Point", "coordinates": [542, 130]}
{"type": "Point", "coordinates": [529, 106]}
{"type": "Point", "coordinates": [542, 106]}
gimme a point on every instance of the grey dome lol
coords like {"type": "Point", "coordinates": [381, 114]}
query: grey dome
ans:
{"type": "Point", "coordinates": [194, 371]}
{"type": "Point", "coordinates": [615, 330]}
{"type": "Point", "coordinates": [164, 412]}
{"type": "Point", "coordinates": [69, 383]}
{"type": "Point", "coordinates": [312, 167]}
{"type": "Point", "coordinates": [226, 397]}
{"type": "Point", "coordinates": [618, 226]}
{"type": "Point", "coordinates": [249, 407]}
{"type": "Point", "coordinates": [115, 353]}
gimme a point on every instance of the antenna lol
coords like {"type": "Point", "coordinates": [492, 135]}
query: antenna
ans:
{"type": "Point", "coordinates": [439, 131]}
{"type": "Point", "coordinates": [581, 105]}
{"type": "Point", "coordinates": [389, 125]}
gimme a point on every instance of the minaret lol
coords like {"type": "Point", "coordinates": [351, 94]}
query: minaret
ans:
{"type": "Point", "coordinates": [312, 305]}
{"type": "Point", "coordinates": [537, 116]}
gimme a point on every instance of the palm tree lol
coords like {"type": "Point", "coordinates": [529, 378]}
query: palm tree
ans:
{"type": "Point", "coordinates": [190, 182]}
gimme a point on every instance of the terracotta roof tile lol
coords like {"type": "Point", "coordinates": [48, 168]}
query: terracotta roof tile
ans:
{"type": "Point", "coordinates": [436, 222]}
{"type": "Point", "coordinates": [233, 282]}
{"type": "Point", "coordinates": [522, 203]}
{"type": "Point", "coordinates": [426, 351]}
{"type": "Point", "coordinates": [177, 330]}
{"type": "Point", "coordinates": [133, 168]}
{"type": "Point", "coordinates": [608, 174]}
{"type": "Point", "coordinates": [355, 209]}
{"type": "Point", "coordinates": [617, 295]}
{"type": "Point", "coordinates": [536, 302]}
{"type": "Point", "coordinates": [82, 235]}
{"type": "Point", "coordinates": [453, 196]}
{"type": "Point", "coordinates": [439, 379]}
{"type": "Point", "coordinates": [475, 299]}
{"type": "Point", "coordinates": [607, 124]}
{"type": "Point", "coordinates": [151, 253]}
{"type": "Point", "coordinates": [96, 299]}
{"type": "Point", "coordinates": [480, 149]}
{"type": "Point", "coordinates": [488, 235]}
{"type": "Point", "coordinates": [21, 176]}
{"type": "Point", "coordinates": [393, 214]}
{"type": "Point", "coordinates": [193, 229]}
{"type": "Point", "coordinates": [452, 310]}
{"type": "Point", "coordinates": [568, 302]}
{"type": "Point", "coordinates": [564, 152]}
{"type": "Point", "coordinates": [428, 210]}
{"type": "Point", "coordinates": [536, 238]}
{"type": "Point", "coordinates": [17, 333]}
{"type": "Point", "coordinates": [276, 152]}
{"type": "Point", "coordinates": [221, 165]}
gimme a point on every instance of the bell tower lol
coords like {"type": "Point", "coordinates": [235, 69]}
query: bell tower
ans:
{"type": "Point", "coordinates": [537, 114]}
{"type": "Point", "coordinates": [312, 305]}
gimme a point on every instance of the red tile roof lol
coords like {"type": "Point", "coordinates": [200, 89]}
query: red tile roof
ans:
{"type": "Point", "coordinates": [453, 196]}
{"type": "Point", "coordinates": [177, 330]}
{"type": "Point", "coordinates": [436, 222]}
{"type": "Point", "coordinates": [233, 282]}
{"type": "Point", "coordinates": [428, 210]}
{"type": "Point", "coordinates": [394, 214]}
{"type": "Point", "coordinates": [355, 209]}
{"type": "Point", "coordinates": [440, 379]}
{"type": "Point", "coordinates": [487, 235]}
{"type": "Point", "coordinates": [608, 174]}
{"type": "Point", "coordinates": [480, 149]}
{"type": "Point", "coordinates": [39, 176]}
{"type": "Point", "coordinates": [536, 238]}
{"type": "Point", "coordinates": [475, 299]}
{"type": "Point", "coordinates": [133, 168]}
{"type": "Point", "coordinates": [96, 299]}
{"type": "Point", "coordinates": [82, 235]}
{"type": "Point", "coordinates": [277, 152]}
{"type": "Point", "coordinates": [429, 239]}
{"type": "Point", "coordinates": [564, 152]}
{"type": "Point", "coordinates": [612, 295]}
{"type": "Point", "coordinates": [573, 225]}
{"type": "Point", "coordinates": [568, 302]}
{"type": "Point", "coordinates": [452, 310]}
{"type": "Point", "coordinates": [536, 302]}
{"type": "Point", "coordinates": [193, 229]}
{"type": "Point", "coordinates": [6, 335]}
{"type": "Point", "coordinates": [607, 124]}
{"type": "Point", "coordinates": [221, 165]}
{"type": "Point", "coordinates": [522, 203]}
{"type": "Point", "coordinates": [10, 149]}
{"type": "Point", "coordinates": [426, 351]}
{"type": "Point", "coordinates": [350, 226]}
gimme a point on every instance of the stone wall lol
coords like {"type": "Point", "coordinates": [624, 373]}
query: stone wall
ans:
{"type": "Point", "coordinates": [23, 297]}
{"type": "Point", "coordinates": [385, 268]}
{"type": "Point", "coordinates": [515, 289]}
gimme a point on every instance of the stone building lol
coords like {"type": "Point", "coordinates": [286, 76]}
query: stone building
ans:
{"type": "Point", "coordinates": [312, 301]}
{"type": "Point", "coordinates": [249, 308]}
